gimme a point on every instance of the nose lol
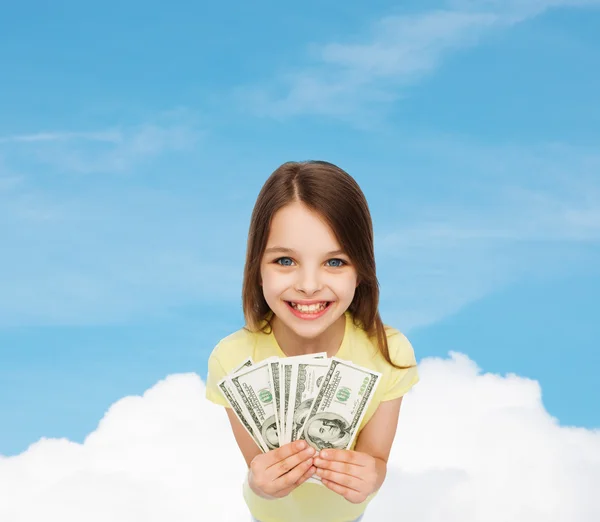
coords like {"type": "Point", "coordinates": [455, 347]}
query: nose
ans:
{"type": "Point", "coordinates": [308, 282]}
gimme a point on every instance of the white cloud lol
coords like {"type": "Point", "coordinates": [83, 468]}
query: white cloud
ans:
{"type": "Point", "coordinates": [345, 79]}
{"type": "Point", "coordinates": [470, 447]}
{"type": "Point", "coordinates": [489, 448]}
{"type": "Point", "coordinates": [151, 458]}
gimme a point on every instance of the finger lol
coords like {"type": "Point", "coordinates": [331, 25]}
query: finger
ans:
{"type": "Point", "coordinates": [349, 494]}
{"type": "Point", "coordinates": [290, 479]}
{"type": "Point", "coordinates": [281, 468]}
{"type": "Point", "coordinates": [352, 457]}
{"type": "Point", "coordinates": [311, 471]}
{"type": "Point", "coordinates": [304, 478]}
{"type": "Point", "coordinates": [341, 467]}
{"type": "Point", "coordinates": [285, 451]}
{"type": "Point", "coordinates": [341, 479]}
{"type": "Point", "coordinates": [301, 480]}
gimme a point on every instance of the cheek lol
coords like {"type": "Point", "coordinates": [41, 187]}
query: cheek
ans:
{"type": "Point", "coordinates": [272, 282]}
{"type": "Point", "coordinates": [347, 286]}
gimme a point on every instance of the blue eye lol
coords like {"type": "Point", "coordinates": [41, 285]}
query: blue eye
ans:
{"type": "Point", "coordinates": [280, 261]}
{"type": "Point", "coordinates": [287, 261]}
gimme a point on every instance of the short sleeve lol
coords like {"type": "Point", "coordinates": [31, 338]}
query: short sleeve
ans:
{"type": "Point", "coordinates": [401, 380]}
{"type": "Point", "coordinates": [216, 372]}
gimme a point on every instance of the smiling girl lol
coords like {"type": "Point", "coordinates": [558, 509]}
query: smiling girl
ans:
{"type": "Point", "coordinates": [310, 286]}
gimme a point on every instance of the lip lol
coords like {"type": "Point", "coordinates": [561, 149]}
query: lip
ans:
{"type": "Point", "coordinates": [307, 302]}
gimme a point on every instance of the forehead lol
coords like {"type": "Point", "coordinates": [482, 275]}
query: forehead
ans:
{"type": "Point", "coordinates": [296, 226]}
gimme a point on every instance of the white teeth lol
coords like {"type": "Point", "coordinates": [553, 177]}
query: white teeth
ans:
{"type": "Point", "coordinates": [307, 309]}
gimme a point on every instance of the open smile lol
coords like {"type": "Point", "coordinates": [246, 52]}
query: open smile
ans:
{"type": "Point", "coordinates": [313, 310]}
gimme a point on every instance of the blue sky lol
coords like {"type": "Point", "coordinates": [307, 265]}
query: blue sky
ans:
{"type": "Point", "coordinates": [134, 138]}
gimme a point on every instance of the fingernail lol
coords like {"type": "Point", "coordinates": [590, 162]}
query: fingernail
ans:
{"type": "Point", "coordinates": [301, 444]}
{"type": "Point", "coordinates": [324, 454]}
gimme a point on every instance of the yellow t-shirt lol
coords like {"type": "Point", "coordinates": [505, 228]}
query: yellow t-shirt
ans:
{"type": "Point", "coordinates": [315, 502]}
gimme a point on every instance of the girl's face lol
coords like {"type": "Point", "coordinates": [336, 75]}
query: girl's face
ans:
{"type": "Point", "coordinates": [307, 281]}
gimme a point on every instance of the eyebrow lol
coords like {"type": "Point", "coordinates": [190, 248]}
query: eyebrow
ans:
{"type": "Point", "coordinates": [292, 251]}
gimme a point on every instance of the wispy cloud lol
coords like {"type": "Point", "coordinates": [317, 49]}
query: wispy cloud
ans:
{"type": "Point", "coordinates": [343, 79]}
{"type": "Point", "coordinates": [492, 234]}
{"type": "Point", "coordinates": [524, 216]}
{"type": "Point", "coordinates": [111, 150]}
{"type": "Point", "coordinates": [107, 256]}
{"type": "Point", "coordinates": [9, 179]}
{"type": "Point", "coordinates": [112, 252]}
{"type": "Point", "coordinates": [109, 248]}
{"type": "Point", "coordinates": [434, 269]}
{"type": "Point", "coordinates": [113, 136]}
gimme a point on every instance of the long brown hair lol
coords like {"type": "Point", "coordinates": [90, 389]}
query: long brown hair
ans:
{"type": "Point", "coordinates": [336, 196]}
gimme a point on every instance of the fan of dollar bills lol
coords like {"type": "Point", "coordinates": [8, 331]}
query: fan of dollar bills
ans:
{"type": "Point", "coordinates": [311, 397]}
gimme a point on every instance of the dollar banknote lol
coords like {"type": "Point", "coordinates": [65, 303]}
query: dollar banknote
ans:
{"type": "Point", "coordinates": [286, 383]}
{"type": "Point", "coordinates": [274, 377]}
{"type": "Point", "coordinates": [254, 388]}
{"type": "Point", "coordinates": [289, 373]}
{"type": "Point", "coordinates": [239, 408]}
{"type": "Point", "coordinates": [340, 405]}
{"type": "Point", "coordinates": [321, 400]}
{"type": "Point", "coordinates": [245, 364]}
{"type": "Point", "coordinates": [306, 381]}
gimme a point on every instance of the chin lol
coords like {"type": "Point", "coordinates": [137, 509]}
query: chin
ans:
{"type": "Point", "coordinates": [308, 332]}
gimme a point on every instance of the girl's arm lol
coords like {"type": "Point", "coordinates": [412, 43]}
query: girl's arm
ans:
{"type": "Point", "coordinates": [377, 436]}
{"type": "Point", "coordinates": [245, 442]}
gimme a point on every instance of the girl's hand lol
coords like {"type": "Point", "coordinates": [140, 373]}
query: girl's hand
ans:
{"type": "Point", "coordinates": [278, 472]}
{"type": "Point", "coordinates": [352, 474]}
